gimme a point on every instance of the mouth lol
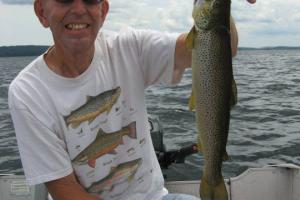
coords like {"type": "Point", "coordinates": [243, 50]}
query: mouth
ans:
{"type": "Point", "coordinates": [76, 26]}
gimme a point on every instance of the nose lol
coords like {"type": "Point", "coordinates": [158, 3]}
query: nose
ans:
{"type": "Point", "coordinates": [78, 7]}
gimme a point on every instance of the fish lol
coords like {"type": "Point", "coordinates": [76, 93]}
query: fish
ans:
{"type": "Point", "coordinates": [93, 107]}
{"type": "Point", "coordinates": [104, 143]}
{"type": "Point", "coordinates": [123, 171]}
{"type": "Point", "coordinates": [214, 90]}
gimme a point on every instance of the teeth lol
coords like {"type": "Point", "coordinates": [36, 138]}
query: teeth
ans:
{"type": "Point", "coordinates": [77, 26]}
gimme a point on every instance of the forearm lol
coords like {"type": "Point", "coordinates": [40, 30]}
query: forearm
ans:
{"type": "Point", "coordinates": [183, 57]}
{"type": "Point", "coordinates": [68, 188]}
{"type": "Point", "coordinates": [234, 37]}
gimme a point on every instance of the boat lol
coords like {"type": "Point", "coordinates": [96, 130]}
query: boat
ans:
{"type": "Point", "coordinates": [271, 182]}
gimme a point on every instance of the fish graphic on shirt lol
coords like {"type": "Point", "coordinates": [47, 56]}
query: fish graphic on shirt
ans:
{"type": "Point", "coordinates": [104, 143]}
{"type": "Point", "coordinates": [123, 172]}
{"type": "Point", "coordinates": [93, 107]}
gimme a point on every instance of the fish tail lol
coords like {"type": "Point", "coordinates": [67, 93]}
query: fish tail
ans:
{"type": "Point", "coordinates": [132, 130]}
{"type": "Point", "coordinates": [66, 121]}
{"type": "Point", "coordinates": [210, 192]}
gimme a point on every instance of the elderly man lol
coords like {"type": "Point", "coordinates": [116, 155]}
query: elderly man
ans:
{"type": "Point", "coordinates": [79, 109]}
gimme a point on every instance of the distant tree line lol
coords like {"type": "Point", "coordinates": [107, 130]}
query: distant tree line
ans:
{"type": "Point", "coordinates": [28, 50]}
{"type": "Point", "coordinates": [35, 50]}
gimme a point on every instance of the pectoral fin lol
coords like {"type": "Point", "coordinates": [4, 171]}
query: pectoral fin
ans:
{"type": "Point", "coordinates": [92, 163]}
{"type": "Point", "coordinates": [225, 156]}
{"type": "Point", "coordinates": [189, 41]}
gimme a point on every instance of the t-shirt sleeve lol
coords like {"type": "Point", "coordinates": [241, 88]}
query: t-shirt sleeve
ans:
{"type": "Point", "coordinates": [43, 153]}
{"type": "Point", "coordinates": [156, 51]}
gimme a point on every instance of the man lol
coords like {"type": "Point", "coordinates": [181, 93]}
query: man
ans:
{"type": "Point", "coordinates": [79, 109]}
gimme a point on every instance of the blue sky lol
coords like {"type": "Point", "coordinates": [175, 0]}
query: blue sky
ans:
{"type": "Point", "coordinates": [266, 23]}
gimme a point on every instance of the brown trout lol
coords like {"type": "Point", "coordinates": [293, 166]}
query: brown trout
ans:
{"type": "Point", "coordinates": [104, 143]}
{"type": "Point", "coordinates": [93, 107]}
{"type": "Point", "coordinates": [213, 89]}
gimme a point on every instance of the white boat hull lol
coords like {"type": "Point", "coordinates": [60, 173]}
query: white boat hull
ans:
{"type": "Point", "coordinates": [281, 182]}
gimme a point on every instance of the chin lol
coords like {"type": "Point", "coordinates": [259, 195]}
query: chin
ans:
{"type": "Point", "coordinates": [80, 45]}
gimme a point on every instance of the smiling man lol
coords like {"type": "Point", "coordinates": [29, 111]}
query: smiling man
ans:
{"type": "Point", "coordinates": [79, 109]}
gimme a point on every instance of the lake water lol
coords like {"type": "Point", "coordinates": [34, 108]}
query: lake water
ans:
{"type": "Point", "coordinates": [264, 128]}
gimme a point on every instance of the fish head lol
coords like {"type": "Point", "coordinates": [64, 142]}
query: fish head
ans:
{"type": "Point", "coordinates": [208, 14]}
{"type": "Point", "coordinates": [115, 92]}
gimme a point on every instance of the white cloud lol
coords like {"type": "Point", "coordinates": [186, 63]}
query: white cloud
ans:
{"type": "Point", "coordinates": [266, 23]}
{"type": "Point", "coordinates": [165, 15]}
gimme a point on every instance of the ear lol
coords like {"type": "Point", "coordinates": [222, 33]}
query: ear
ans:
{"type": "Point", "coordinates": [40, 12]}
{"type": "Point", "coordinates": [105, 8]}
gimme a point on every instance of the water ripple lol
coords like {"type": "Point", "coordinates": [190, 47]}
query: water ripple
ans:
{"type": "Point", "coordinates": [264, 128]}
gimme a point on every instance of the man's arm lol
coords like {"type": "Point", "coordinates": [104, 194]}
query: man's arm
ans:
{"type": "Point", "coordinates": [67, 188]}
{"type": "Point", "coordinates": [183, 56]}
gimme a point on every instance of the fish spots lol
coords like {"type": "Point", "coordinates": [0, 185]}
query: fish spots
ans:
{"type": "Point", "coordinates": [212, 79]}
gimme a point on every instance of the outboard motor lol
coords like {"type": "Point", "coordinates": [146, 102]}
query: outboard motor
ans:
{"type": "Point", "coordinates": [166, 158]}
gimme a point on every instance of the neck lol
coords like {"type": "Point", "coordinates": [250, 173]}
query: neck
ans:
{"type": "Point", "coordinates": [68, 64]}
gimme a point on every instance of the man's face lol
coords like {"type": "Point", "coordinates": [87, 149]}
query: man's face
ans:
{"type": "Point", "coordinates": [73, 24]}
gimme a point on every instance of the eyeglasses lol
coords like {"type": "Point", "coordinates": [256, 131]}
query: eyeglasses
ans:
{"type": "Point", "coordinates": [88, 2]}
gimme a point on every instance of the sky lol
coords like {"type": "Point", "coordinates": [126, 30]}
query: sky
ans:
{"type": "Point", "coordinates": [266, 23]}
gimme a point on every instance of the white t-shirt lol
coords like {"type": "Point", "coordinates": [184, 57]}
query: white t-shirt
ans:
{"type": "Point", "coordinates": [95, 124]}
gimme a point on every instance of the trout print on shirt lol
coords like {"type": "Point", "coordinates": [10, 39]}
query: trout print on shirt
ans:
{"type": "Point", "coordinates": [121, 173]}
{"type": "Point", "coordinates": [104, 143]}
{"type": "Point", "coordinates": [93, 107]}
